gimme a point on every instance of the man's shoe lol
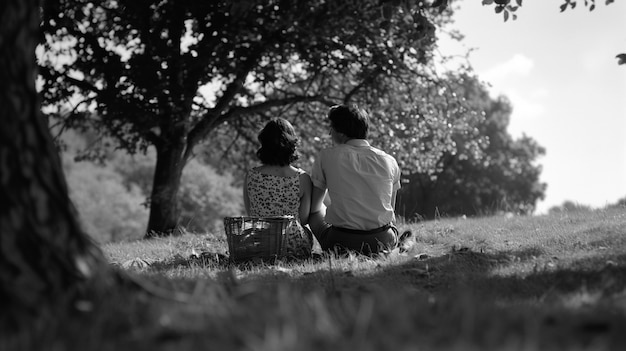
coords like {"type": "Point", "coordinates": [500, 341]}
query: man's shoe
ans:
{"type": "Point", "coordinates": [406, 235]}
{"type": "Point", "coordinates": [404, 242]}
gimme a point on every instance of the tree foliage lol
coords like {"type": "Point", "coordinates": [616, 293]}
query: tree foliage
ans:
{"type": "Point", "coordinates": [449, 136]}
{"type": "Point", "coordinates": [143, 65]}
{"type": "Point", "coordinates": [509, 7]}
{"type": "Point", "coordinates": [500, 176]}
{"type": "Point", "coordinates": [417, 117]}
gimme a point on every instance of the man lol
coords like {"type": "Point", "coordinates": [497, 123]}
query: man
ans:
{"type": "Point", "coordinates": [362, 183]}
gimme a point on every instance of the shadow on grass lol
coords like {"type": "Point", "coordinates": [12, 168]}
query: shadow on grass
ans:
{"type": "Point", "coordinates": [386, 303]}
{"type": "Point", "coordinates": [529, 274]}
{"type": "Point", "coordinates": [535, 278]}
{"type": "Point", "coordinates": [476, 272]}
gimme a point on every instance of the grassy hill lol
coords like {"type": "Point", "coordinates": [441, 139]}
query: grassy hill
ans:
{"type": "Point", "coordinates": [497, 283]}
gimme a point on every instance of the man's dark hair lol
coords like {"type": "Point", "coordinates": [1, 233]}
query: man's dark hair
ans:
{"type": "Point", "coordinates": [278, 143]}
{"type": "Point", "coordinates": [351, 121]}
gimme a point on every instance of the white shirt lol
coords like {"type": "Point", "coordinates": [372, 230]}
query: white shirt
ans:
{"type": "Point", "coordinates": [361, 181]}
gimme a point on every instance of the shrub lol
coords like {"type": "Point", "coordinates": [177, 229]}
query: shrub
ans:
{"type": "Point", "coordinates": [205, 196]}
{"type": "Point", "coordinates": [569, 206]}
{"type": "Point", "coordinates": [621, 203]}
{"type": "Point", "coordinates": [137, 170]}
{"type": "Point", "coordinates": [110, 195]}
{"type": "Point", "coordinates": [109, 210]}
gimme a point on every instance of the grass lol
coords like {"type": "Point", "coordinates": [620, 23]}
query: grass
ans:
{"type": "Point", "coordinates": [496, 283]}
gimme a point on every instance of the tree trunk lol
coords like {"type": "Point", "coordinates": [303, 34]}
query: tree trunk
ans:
{"type": "Point", "coordinates": [164, 209]}
{"type": "Point", "coordinates": [43, 252]}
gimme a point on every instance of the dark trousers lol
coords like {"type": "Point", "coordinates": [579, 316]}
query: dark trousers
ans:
{"type": "Point", "coordinates": [369, 242]}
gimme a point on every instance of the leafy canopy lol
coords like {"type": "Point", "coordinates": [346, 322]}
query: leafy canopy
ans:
{"type": "Point", "coordinates": [144, 66]}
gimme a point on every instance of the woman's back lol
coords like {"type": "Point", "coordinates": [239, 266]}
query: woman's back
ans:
{"type": "Point", "coordinates": [276, 191]}
{"type": "Point", "coordinates": [273, 194]}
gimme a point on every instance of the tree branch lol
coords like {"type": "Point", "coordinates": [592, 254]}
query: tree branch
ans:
{"type": "Point", "coordinates": [197, 134]}
{"type": "Point", "coordinates": [212, 118]}
{"type": "Point", "coordinates": [367, 81]}
{"type": "Point", "coordinates": [83, 84]}
{"type": "Point", "coordinates": [239, 110]}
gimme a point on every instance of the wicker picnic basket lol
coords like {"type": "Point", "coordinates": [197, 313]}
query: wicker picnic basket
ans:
{"type": "Point", "coordinates": [256, 237]}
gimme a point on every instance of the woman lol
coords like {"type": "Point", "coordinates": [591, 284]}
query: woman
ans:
{"type": "Point", "coordinates": [276, 188]}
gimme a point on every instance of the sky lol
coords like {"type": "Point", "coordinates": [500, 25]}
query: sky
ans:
{"type": "Point", "coordinates": [568, 93]}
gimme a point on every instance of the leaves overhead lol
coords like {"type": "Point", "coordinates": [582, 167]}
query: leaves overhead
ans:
{"type": "Point", "coordinates": [506, 7]}
{"type": "Point", "coordinates": [509, 7]}
{"type": "Point", "coordinates": [142, 64]}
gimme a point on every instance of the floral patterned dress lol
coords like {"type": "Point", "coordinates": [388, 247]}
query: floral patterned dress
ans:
{"type": "Point", "coordinates": [272, 195]}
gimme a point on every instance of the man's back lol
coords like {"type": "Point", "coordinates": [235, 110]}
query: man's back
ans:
{"type": "Point", "coordinates": [361, 181]}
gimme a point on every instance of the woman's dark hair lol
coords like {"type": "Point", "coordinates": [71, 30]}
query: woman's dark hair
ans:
{"type": "Point", "coordinates": [351, 121]}
{"type": "Point", "coordinates": [278, 143]}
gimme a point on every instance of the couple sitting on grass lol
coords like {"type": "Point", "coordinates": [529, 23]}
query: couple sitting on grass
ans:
{"type": "Point", "coordinates": [361, 180]}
